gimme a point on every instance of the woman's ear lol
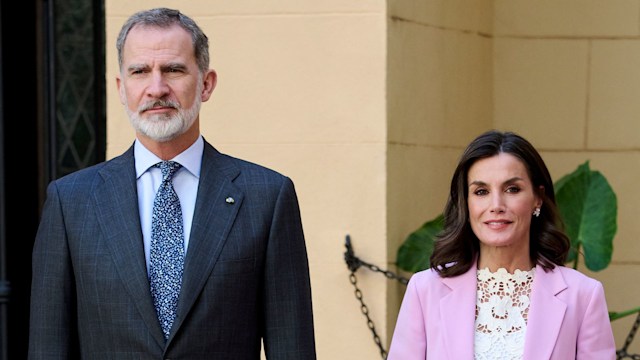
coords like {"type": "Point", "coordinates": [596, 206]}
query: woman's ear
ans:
{"type": "Point", "coordinates": [540, 196]}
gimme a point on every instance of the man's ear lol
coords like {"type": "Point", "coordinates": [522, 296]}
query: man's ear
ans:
{"type": "Point", "coordinates": [210, 80]}
{"type": "Point", "coordinates": [121, 91]}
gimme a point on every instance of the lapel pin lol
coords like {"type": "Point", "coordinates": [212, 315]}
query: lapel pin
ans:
{"type": "Point", "coordinates": [230, 200]}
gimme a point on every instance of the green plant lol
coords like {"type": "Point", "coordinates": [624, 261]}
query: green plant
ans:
{"type": "Point", "coordinates": [588, 206]}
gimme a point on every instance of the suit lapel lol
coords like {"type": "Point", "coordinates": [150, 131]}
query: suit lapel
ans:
{"type": "Point", "coordinates": [217, 205]}
{"type": "Point", "coordinates": [545, 315]}
{"type": "Point", "coordinates": [119, 218]}
{"type": "Point", "coordinates": [458, 314]}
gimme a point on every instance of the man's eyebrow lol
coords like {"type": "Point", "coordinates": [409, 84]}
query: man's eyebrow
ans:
{"type": "Point", "coordinates": [173, 66]}
{"type": "Point", "coordinates": [137, 67]}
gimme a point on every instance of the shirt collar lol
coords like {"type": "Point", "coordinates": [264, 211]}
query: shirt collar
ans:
{"type": "Point", "coordinates": [190, 159]}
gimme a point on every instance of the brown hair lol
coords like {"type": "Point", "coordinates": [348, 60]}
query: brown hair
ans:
{"type": "Point", "coordinates": [457, 247]}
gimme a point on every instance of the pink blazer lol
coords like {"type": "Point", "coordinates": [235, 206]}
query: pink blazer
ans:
{"type": "Point", "coordinates": [568, 318]}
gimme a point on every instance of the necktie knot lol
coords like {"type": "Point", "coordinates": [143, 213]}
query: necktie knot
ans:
{"type": "Point", "coordinates": [168, 169]}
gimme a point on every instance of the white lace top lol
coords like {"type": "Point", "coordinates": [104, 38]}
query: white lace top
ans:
{"type": "Point", "coordinates": [502, 306]}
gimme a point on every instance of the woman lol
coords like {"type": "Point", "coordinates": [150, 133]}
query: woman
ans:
{"type": "Point", "coordinates": [497, 287]}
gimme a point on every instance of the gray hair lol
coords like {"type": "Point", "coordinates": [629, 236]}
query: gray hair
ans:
{"type": "Point", "coordinates": [164, 18]}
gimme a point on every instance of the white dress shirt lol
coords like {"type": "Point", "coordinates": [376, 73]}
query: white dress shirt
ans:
{"type": "Point", "coordinates": [185, 183]}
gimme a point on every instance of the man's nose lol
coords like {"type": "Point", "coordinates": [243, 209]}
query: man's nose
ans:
{"type": "Point", "coordinates": [157, 87]}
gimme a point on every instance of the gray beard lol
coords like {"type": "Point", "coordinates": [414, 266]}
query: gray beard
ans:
{"type": "Point", "coordinates": [163, 128]}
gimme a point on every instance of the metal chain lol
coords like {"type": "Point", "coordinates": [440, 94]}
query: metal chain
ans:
{"type": "Point", "coordinates": [387, 273]}
{"type": "Point", "coordinates": [622, 353]}
{"type": "Point", "coordinates": [365, 311]}
{"type": "Point", "coordinates": [354, 263]}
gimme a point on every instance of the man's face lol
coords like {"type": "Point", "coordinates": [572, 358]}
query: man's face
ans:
{"type": "Point", "coordinates": [160, 84]}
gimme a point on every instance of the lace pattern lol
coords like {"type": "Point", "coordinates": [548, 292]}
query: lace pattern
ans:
{"type": "Point", "coordinates": [502, 306]}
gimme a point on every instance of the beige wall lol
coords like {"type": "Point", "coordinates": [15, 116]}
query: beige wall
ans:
{"type": "Point", "coordinates": [367, 105]}
{"type": "Point", "coordinates": [439, 86]}
{"type": "Point", "coordinates": [301, 89]}
{"type": "Point", "coordinates": [567, 75]}
{"type": "Point", "coordinates": [563, 73]}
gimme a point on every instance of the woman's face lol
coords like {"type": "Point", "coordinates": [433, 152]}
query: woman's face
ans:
{"type": "Point", "coordinates": [501, 201]}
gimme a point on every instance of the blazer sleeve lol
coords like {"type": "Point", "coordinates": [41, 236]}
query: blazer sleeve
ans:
{"type": "Point", "coordinates": [409, 341]}
{"type": "Point", "coordinates": [288, 316]}
{"type": "Point", "coordinates": [52, 327]}
{"type": "Point", "coordinates": [595, 337]}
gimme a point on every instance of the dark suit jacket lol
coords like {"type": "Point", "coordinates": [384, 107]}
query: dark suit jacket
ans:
{"type": "Point", "coordinates": [246, 275]}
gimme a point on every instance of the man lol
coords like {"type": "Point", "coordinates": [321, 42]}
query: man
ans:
{"type": "Point", "coordinates": [172, 249]}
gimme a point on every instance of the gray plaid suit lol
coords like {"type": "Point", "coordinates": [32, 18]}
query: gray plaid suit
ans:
{"type": "Point", "coordinates": [246, 276]}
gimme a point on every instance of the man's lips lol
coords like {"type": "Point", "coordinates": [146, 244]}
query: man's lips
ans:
{"type": "Point", "coordinates": [159, 106]}
{"type": "Point", "coordinates": [157, 109]}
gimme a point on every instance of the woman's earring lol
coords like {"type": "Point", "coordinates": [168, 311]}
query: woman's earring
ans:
{"type": "Point", "coordinates": [536, 212]}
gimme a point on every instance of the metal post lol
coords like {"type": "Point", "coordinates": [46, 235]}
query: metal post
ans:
{"type": "Point", "coordinates": [5, 289]}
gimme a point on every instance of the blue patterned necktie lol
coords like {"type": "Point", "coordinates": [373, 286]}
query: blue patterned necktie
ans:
{"type": "Point", "coordinates": [167, 248]}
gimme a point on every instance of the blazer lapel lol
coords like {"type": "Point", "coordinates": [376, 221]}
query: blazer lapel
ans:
{"type": "Point", "coordinates": [546, 314]}
{"type": "Point", "coordinates": [217, 205]}
{"type": "Point", "coordinates": [458, 315]}
{"type": "Point", "coordinates": [119, 218]}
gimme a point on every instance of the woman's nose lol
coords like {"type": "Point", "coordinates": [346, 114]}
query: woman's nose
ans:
{"type": "Point", "coordinates": [497, 205]}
